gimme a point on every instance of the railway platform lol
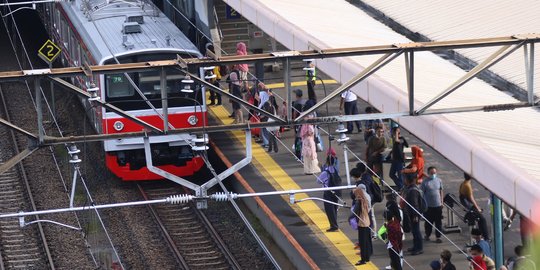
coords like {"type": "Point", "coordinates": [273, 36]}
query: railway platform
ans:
{"type": "Point", "coordinates": [305, 223]}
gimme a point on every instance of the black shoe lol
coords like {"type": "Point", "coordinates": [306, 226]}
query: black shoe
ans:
{"type": "Point", "coordinates": [332, 230]}
{"type": "Point", "coordinates": [211, 103]}
{"type": "Point", "coordinates": [219, 103]}
{"type": "Point", "coordinates": [276, 150]}
{"type": "Point", "coordinates": [410, 249]}
{"type": "Point", "coordinates": [269, 150]}
{"type": "Point", "coordinates": [231, 116]}
{"type": "Point", "coordinates": [360, 262]}
{"type": "Point", "coordinates": [417, 252]}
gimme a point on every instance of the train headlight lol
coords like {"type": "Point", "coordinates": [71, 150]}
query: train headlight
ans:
{"type": "Point", "coordinates": [192, 120]}
{"type": "Point", "coordinates": [118, 126]}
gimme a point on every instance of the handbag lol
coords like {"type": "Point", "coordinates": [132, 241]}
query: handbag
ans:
{"type": "Point", "coordinates": [353, 221]}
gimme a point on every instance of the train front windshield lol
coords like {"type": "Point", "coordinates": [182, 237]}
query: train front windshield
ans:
{"type": "Point", "coordinates": [121, 93]}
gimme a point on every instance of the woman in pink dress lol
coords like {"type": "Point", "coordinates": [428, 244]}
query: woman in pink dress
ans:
{"type": "Point", "coordinates": [309, 149]}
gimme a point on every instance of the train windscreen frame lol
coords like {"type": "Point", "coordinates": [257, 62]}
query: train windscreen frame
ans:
{"type": "Point", "coordinates": [120, 92]}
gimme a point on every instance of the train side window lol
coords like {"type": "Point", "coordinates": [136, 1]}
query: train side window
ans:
{"type": "Point", "coordinates": [118, 86]}
{"type": "Point", "coordinates": [65, 34]}
{"type": "Point", "coordinates": [57, 21]}
{"type": "Point", "coordinates": [75, 50]}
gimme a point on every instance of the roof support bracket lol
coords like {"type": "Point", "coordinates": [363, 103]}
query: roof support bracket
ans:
{"type": "Point", "coordinates": [493, 59]}
{"type": "Point", "coordinates": [381, 62]}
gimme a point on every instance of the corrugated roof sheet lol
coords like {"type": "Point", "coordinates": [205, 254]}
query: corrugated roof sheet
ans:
{"type": "Point", "coordinates": [109, 20]}
{"type": "Point", "coordinates": [500, 149]}
{"type": "Point", "coordinates": [461, 19]}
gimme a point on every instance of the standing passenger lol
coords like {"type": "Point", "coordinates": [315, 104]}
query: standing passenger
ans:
{"type": "Point", "coordinates": [330, 178]}
{"type": "Point", "coordinates": [395, 239]}
{"type": "Point", "coordinates": [416, 166]}
{"type": "Point", "coordinates": [433, 193]}
{"type": "Point", "coordinates": [361, 209]}
{"type": "Point", "coordinates": [374, 151]}
{"type": "Point", "coordinates": [237, 92]}
{"type": "Point", "coordinates": [241, 49]}
{"type": "Point", "coordinates": [311, 78]}
{"type": "Point", "coordinates": [309, 150]}
{"type": "Point", "coordinates": [398, 157]}
{"type": "Point", "coordinates": [413, 196]}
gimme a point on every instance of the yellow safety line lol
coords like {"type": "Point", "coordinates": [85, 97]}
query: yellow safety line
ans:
{"type": "Point", "coordinates": [300, 83]}
{"type": "Point", "coordinates": [280, 180]}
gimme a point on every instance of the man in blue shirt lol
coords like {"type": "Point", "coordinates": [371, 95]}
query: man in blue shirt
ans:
{"type": "Point", "coordinates": [433, 193]}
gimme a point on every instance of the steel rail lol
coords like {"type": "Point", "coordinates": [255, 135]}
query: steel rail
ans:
{"type": "Point", "coordinates": [178, 256]}
{"type": "Point", "coordinates": [27, 186]}
{"type": "Point", "coordinates": [218, 240]}
{"type": "Point", "coordinates": [271, 57]}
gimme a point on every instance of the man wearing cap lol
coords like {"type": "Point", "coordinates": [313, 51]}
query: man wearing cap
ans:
{"type": "Point", "coordinates": [298, 108]}
{"type": "Point", "coordinates": [311, 78]}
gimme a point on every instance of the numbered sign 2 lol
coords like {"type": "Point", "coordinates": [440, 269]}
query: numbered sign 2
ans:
{"type": "Point", "coordinates": [49, 51]}
{"type": "Point", "coordinates": [232, 14]}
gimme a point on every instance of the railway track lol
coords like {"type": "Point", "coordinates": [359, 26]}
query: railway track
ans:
{"type": "Point", "coordinates": [20, 248]}
{"type": "Point", "coordinates": [192, 238]}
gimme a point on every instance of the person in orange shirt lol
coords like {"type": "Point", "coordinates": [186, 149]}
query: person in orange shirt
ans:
{"type": "Point", "coordinates": [417, 164]}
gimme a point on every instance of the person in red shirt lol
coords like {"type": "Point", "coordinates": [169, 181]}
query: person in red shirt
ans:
{"type": "Point", "coordinates": [395, 240]}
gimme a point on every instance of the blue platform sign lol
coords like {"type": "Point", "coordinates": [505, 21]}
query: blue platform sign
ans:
{"type": "Point", "coordinates": [232, 14]}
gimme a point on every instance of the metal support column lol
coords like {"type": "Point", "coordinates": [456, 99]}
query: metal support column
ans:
{"type": "Point", "coordinates": [529, 71]}
{"type": "Point", "coordinates": [164, 101]}
{"type": "Point", "coordinates": [39, 109]}
{"type": "Point", "coordinates": [498, 255]}
{"type": "Point", "coordinates": [287, 85]}
{"type": "Point", "coordinates": [346, 157]}
{"type": "Point", "coordinates": [53, 102]}
{"type": "Point", "coordinates": [409, 69]}
{"type": "Point", "coordinates": [73, 188]}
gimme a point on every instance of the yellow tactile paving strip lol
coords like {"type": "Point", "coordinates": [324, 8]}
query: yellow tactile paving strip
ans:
{"type": "Point", "coordinates": [280, 180]}
{"type": "Point", "coordinates": [295, 84]}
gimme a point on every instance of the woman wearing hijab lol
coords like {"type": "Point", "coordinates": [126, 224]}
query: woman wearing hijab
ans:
{"type": "Point", "coordinates": [361, 209]}
{"type": "Point", "coordinates": [416, 166]}
{"type": "Point", "coordinates": [309, 150]}
{"type": "Point", "coordinates": [241, 49]}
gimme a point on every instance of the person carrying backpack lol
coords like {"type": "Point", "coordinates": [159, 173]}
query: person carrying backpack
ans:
{"type": "Point", "coordinates": [413, 209]}
{"type": "Point", "coordinates": [330, 178]}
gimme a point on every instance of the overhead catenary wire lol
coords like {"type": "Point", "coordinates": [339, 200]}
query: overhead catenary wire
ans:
{"type": "Point", "coordinates": [59, 130]}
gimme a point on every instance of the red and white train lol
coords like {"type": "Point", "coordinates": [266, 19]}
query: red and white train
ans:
{"type": "Point", "coordinates": [99, 32]}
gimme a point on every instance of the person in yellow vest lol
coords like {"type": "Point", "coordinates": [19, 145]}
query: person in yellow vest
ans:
{"type": "Point", "coordinates": [311, 78]}
{"type": "Point", "coordinates": [215, 98]}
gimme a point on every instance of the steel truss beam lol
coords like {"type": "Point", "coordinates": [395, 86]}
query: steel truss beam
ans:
{"type": "Point", "coordinates": [381, 62]}
{"type": "Point", "coordinates": [272, 57]}
{"type": "Point", "coordinates": [390, 51]}
{"type": "Point", "coordinates": [48, 140]}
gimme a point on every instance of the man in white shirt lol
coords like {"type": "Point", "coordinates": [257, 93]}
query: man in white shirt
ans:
{"type": "Point", "coordinates": [348, 98]}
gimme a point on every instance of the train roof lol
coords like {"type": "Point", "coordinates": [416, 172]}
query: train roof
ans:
{"type": "Point", "coordinates": [105, 26]}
